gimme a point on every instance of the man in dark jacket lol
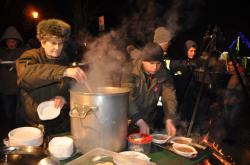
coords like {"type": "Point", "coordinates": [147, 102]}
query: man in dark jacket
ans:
{"type": "Point", "coordinates": [11, 48]}
{"type": "Point", "coordinates": [44, 74]}
{"type": "Point", "coordinates": [148, 79]}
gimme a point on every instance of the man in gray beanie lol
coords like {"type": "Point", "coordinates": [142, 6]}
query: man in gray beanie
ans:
{"type": "Point", "coordinates": [162, 37]}
{"type": "Point", "coordinates": [148, 80]}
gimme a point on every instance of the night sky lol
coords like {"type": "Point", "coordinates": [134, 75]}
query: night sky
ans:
{"type": "Point", "coordinates": [190, 18]}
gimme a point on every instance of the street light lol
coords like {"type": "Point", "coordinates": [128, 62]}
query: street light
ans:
{"type": "Point", "coordinates": [35, 14]}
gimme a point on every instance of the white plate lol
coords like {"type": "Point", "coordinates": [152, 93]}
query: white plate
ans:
{"type": "Point", "coordinates": [61, 147]}
{"type": "Point", "coordinates": [160, 138]}
{"type": "Point", "coordinates": [47, 111]}
{"type": "Point", "coordinates": [185, 150]}
{"type": "Point", "coordinates": [28, 136]}
{"type": "Point", "coordinates": [180, 140]}
{"type": "Point", "coordinates": [135, 154]}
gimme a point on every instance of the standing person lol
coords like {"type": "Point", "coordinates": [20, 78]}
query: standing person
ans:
{"type": "Point", "coordinates": [162, 37]}
{"type": "Point", "coordinates": [233, 102]}
{"type": "Point", "coordinates": [11, 49]}
{"type": "Point", "coordinates": [183, 79]}
{"type": "Point", "coordinates": [148, 79]}
{"type": "Point", "coordinates": [44, 74]}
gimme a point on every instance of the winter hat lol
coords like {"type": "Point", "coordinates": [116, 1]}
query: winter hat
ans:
{"type": "Point", "coordinates": [161, 35]}
{"type": "Point", "coordinates": [53, 27]}
{"type": "Point", "coordinates": [152, 52]}
{"type": "Point", "coordinates": [189, 44]}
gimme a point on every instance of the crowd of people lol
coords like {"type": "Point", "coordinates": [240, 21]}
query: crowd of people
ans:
{"type": "Point", "coordinates": [34, 75]}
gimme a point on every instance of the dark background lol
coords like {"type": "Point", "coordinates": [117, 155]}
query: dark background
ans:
{"type": "Point", "coordinates": [137, 18]}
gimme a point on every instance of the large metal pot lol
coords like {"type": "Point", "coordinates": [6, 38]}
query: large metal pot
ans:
{"type": "Point", "coordinates": [99, 119]}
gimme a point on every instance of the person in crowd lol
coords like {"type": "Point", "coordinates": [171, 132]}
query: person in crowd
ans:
{"type": "Point", "coordinates": [44, 74]}
{"type": "Point", "coordinates": [233, 102]}
{"type": "Point", "coordinates": [187, 73]}
{"type": "Point", "coordinates": [11, 48]}
{"type": "Point", "coordinates": [184, 82]}
{"type": "Point", "coordinates": [162, 37]}
{"type": "Point", "coordinates": [148, 79]}
{"type": "Point", "coordinates": [134, 53]}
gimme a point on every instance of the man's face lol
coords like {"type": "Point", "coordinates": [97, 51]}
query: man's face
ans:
{"type": "Point", "coordinates": [164, 46]}
{"type": "Point", "coordinates": [52, 46]}
{"type": "Point", "coordinates": [11, 43]}
{"type": "Point", "coordinates": [151, 67]}
{"type": "Point", "coordinates": [191, 52]}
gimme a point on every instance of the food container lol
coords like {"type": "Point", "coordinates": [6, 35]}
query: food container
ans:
{"type": "Point", "coordinates": [181, 140]}
{"type": "Point", "coordinates": [25, 136]}
{"type": "Point", "coordinates": [103, 156]}
{"type": "Point", "coordinates": [185, 150]}
{"type": "Point", "coordinates": [139, 142]}
{"type": "Point", "coordinates": [160, 138]}
{"type": "Point", "coordinates": [135, 154]}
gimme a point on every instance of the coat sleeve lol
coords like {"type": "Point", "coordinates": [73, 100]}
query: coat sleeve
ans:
{"type": "Point", "coordinates": [32, 74]}
{"type": "Point", "coordinates": [169, 97]}
{"type": "Point", "coordinates": [129, 81]}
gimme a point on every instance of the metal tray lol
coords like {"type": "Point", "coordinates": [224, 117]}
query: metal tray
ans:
{"type": "Point", "coordinates": [25, 155]}
{"type": "Point", "coordinates": [168, 147]}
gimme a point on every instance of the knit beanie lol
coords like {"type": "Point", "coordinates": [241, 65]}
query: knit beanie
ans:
{"type": "Point", "coordinates": [152, 52]}
{"type": "Point", "coordinates": [161, 35]}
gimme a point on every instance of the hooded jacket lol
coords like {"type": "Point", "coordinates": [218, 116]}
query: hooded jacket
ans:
{"type": "Point", "coordinates": [188, 45]}
{"type": "Point", "coordinates": [11, 32]}
{"type": "Point", "coordinates": [144, 98]}
{"type": "Point", "coordinates": [41, 79]}
{"type": "Point", "coordinates": [7, 71]}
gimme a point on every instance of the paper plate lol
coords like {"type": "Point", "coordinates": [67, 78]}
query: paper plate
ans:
{"type": "Point", "coordinates": [135, 154]}
{"type": "Point", "coordinates": [47, 111]}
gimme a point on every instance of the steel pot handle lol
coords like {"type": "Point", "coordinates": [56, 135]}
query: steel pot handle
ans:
{"type": "Point", "coordinates": [83, 111]}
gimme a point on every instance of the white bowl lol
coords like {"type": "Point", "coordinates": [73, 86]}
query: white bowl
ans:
{"type": "Point", "coordinates": [184, 150]}
{"type": "Point", "coordinates": [47, 111]}
{"type": "Point", "coordinates": [160, 138]}
{"type": "Point", "coordinates": [181, 140]}
{"type": "Point", "coordinates": [25, 136]}
{"type": "Point", "coordinates": [61, 147]}
{"type": "Point", "coordinates": [135, 154]}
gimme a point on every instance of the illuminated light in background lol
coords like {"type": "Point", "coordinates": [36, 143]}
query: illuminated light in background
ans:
{"type": "Point", "coordinates": [35, 14]}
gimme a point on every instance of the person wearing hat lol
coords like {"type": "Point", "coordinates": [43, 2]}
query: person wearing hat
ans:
{"type": "Point", "coordinates": [44, 74]}
{"type": "Point", "coordinates": [11, 48]}
{"type": "Point", "coordinates": [148, 79]}
{"type": "Point", "coordinates": [162, 37]}
{"type": "Point", "coordinates": [183, 79]}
